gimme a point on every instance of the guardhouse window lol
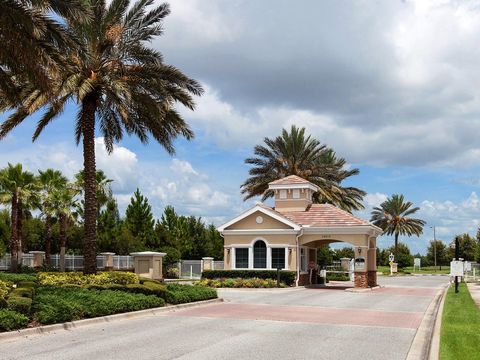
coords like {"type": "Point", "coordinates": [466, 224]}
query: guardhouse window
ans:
{"type": "Point", "coordinates": [260, 255]}
{"type": "Point", "coordinates": [241, 258]}
{"type": "Point", "coordinates": [283, 194]}
{"type": "Point", "coordinates": [303, 259]}
{"type": "Point", "coordinates": [296, 194]}
{"type": "Point", "coordinates": [278, 258]}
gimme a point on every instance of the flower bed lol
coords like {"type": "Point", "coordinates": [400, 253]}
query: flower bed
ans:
{"type": "Point", "coordinates": [240, 283]}
{"type": "Point", "coordinates": [78, 278]}
{"type": "Point", "coordinates": [287, 277]}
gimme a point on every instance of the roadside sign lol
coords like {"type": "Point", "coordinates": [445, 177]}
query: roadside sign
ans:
{"type": "Point", "coordinates": [468, 266]}
{"type": "Point", "coordinates": [416, 262]}
{"type": "Point", "coordinates": [391, 257]}
{"type": "Point", "coordinates": [394, 267]}
{"type": "Point", "coordinates": [456, 268]}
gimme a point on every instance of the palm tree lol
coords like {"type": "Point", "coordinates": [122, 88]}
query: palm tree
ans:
{"type": "Point", "coordinates": [294, 153]}
{"type": "Point", "coordinates": [104, 191]}
{"type": "Point", "coordinates": [33, 42]}
{"type": "Point", "coordinates": [117, 80]}
{"type": "Point", "coordinates": [50, 181]}
{"type": "Point", "coordinates": [393, 217]}
{"type": "Point", "coordinates": [64, 202]}
{"type": "Point", "coordinates": [17, 188]}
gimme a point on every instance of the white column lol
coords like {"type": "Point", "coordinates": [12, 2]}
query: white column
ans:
{"type": "Point", "coordinates": [250, 257]}
{"type": "Point", "coordinates": [269, 257]}
{"type": "Point", "coordinates": [286, 258]}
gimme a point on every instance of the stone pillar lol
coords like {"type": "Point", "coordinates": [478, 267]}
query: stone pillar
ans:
{"type": "Point", "coordinates": [108, 262]}
{"type": "Point", "coordinates": [207, 263]}
{"type": "Point", "coordinates": [38, 258]}
{"type": "Point", "coordinates": [372, 263]}
{"type": "Point", "coordinates": [345, 263]}
{"type": "Point", "coordinates": [148, 264]}
{"type": "Point", "coordinates": [361, 263]}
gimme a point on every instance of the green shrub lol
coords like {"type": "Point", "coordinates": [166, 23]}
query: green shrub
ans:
{"type": "Point", "coordinates": [4, 288]}
{"type": "Point", "coordinates": [337, 277]}
{"type": "Point", "coordinates": [240, 283]}
{"type": "Point", "coordinates": [12, 320]}
{"type": "Point", "coordinates": [287, 277]}
{"type": "Point", "coordinates": [21, 304]}
{"type": "Point", "coordinates": [15, 278]}
{"type": "Point", "coordinates": [26, 284]}
{"type": "Point", "coordinates": [60, 304]}
{"type": "Point", "coordinates": [179, 294]}
{"type": "Point", "coordinates": [146, 289]}
{"type": "Point", "coordinates": [78, 278]}
{"type": "Point", "coordinates": [26, 292]}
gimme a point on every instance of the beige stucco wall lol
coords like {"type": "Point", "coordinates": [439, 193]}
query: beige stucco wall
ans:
{"type": "Point", "coordinates": [291, 205]}
{"type": "Point", "coordinates": [271, 239]}
{"type": "Point", "coordinates": [250, 223]}
{"type": "Point", "coordinates": [319, 240]}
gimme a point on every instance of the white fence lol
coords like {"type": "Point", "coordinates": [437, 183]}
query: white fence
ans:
{"type": "Point", "coordinates": [192, 269]}
{"type": "Point", "coordinates": [472, 272]}
{"type": "Point", "coordinates": [72, 262]}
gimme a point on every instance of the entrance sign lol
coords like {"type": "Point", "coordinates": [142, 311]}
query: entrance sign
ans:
{"type": "Point", "coordinates": [359, 264]}
{"type": "Point", "coordinates": [391, 257]}
{"type": "Point", "coordinates": [456, 268]}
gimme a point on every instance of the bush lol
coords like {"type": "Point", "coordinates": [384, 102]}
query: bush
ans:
{"type": "Point", "coordinates": [77, 278]}
{"type": "Point", "coordinates": [12, 320]}
{"type": "Point", "coordinates": [240, 283]}
{"type": "Point", "coordinates": [4, 289]}
{"type": "Point", "coordinates": [60, 304]}
{"type": "Point", "coordinates": [179, 294]}
{"type": "Point", "coordinates": [21, 304]}
{"type": "Point", "coordinates": [15, 278]}
{"type": "Point", "coordinates": [148, 288]}
{"type": "Point", "coordinates": [337, 277]}
{"type": "Point", "coordinates": [26, 292]}
{"type": "Point", "coordinates": [287, 277]}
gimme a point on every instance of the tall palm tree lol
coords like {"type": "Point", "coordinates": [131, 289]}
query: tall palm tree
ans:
{"type": "Point", "coordinates": [295, 153]}
{"type": "Point", "coordinates": [119, 82]}
{"type": "Point", "coordinates": [33, 41]}
{"type": "Point", "coordinates": [65, 203]}
{"type": "Point", "coordinates": [17, 188]}
{"type": "Point", "coordinates": [104, 191]}
{"type": "Point", "coordinates": [393, 217]}
{"type": "Point", "coordinates": [50, 181]}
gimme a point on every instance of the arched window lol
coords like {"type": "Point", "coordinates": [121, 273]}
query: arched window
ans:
{"type": "Point", "coordinates": [260, 255]}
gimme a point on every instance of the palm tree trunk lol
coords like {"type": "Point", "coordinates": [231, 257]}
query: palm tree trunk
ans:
{"type": "Point", "coordinates": [19, 232]}
{"type": "Point", "coordinates": [48, 239]}
{"type": "Point", "coordinates": [396, 248]}
{"type": "Point", "coordinates": [63, 240]}
{"type": "Point", "coordinates": [14, 236]}
{"type": "Point", "coordinates": [88, 132]}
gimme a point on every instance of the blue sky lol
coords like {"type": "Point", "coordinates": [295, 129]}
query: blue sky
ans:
{"type": "Point", "coordinates": [391, 86]}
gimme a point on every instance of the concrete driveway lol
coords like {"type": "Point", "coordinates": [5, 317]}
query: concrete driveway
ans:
{"type": "Point", "coordinates": [256, 324]}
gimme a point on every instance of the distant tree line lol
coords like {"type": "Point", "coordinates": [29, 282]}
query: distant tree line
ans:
{"type": "Point", "coordinates": [47, 211]}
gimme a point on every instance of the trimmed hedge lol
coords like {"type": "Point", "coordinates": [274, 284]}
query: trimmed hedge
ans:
{"type": "Point", "coordinates": [12, 320]}
{"type": "Point", "coordinates": [15, 278]}
{"type": "Point", "coordinates": [240, 283]}
{"type": "Point", "coordinates": [337, 277]}
{"type": "Point", "coordinates": [26, 292]}
{"type": "Point", "coordinates": [146, 289]}
{"type": "Point", "coordinates": [20, 304]}
{"type": "Point", "coordinates": [78, 278]}
{"type": "Point", "coordinates": [287, 277]}
{"type": "Point", "coordinates": [180, 294]}
{"type": "Point", "coordinates": [60, 304]}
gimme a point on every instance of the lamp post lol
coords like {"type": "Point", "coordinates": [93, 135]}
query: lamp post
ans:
{"type": "Point", "coordinates": [434, 248]}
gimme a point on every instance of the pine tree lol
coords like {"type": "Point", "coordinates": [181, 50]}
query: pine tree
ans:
{"type": "Point", "coordinates": [139, 220]}
{"type": "Point", "coordinates": [108, 227]}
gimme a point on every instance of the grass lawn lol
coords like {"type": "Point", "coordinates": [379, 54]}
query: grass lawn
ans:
{"type": "Point", "coordinates": [423, 270]}
{"type": "Point", "coordinates": [460, 334]}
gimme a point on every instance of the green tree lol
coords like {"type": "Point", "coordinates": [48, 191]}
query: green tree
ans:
{"type": "Point", "coordinates": [4, 230]}
{"type": "Point", "coordinates": [393, 217]}
{"type": "Point", "coordinates": [468, 247]}
{"type": "Point", "coordinates": [403, 258]}
{"type": "Point", "coordinates": [345, 252]}
{"type": "Point", "coordinates": [117, 81]}
{"type": "Point", "coordinates": [325, 255]}
{"type": "Point", "coordinates": [108, 229]}
{"type": "Point", "coordinates": [103, 193]}
{"type": "Point", "coordinates": [439, 249]}
{"type": "Point", "coordinates": [294, 153]}
{"type": "Point", "coordinates": [139, 220]}
{"type": "Point", "coordinates": [17, 189]}
{"type": "Point", "coordinates": [50, 181]}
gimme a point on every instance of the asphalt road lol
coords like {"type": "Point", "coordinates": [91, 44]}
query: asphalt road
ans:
{"type": "Point", "coordinates": [262, 324]}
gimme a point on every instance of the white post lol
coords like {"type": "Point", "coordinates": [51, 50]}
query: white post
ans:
{"type": "Point", "coordinates": [191, 271]}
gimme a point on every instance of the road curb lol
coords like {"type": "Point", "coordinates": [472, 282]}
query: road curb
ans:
{"type": "Point", "coordinates": [363, 290]}
{"type": "Point", "coordinates": [421, 347]}
{"type": "Point", "coordinates": [435, 344]}
{"type": "Point", "coordinates": [71, 325]}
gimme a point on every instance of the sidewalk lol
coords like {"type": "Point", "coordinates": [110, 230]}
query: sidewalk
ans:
{"type": "Point", "coordinates": [474, 289]}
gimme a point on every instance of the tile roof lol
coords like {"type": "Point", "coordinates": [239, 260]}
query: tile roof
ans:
{"type": "Point", "coordinates": [288, 180]}
{"type": "Point", "coordinates": [323, 215]}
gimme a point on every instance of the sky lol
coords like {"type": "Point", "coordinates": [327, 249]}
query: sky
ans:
{"type": "Point", "coordinates": [392, 86]}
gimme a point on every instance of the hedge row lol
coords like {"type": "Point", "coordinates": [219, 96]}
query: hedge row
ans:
{"type": "Point", "coordinates": [12, 320]}
{"type": "Point", "coordinates": [287, 277]}
{"type": "Point", "coordinates": [78, 278]}
{"type": "Point", "coordinates": [179, 294]}
{"type": "Point", "coordinates": [60, 304]}
{"type": "Point", "coordinates": [240, 283]}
